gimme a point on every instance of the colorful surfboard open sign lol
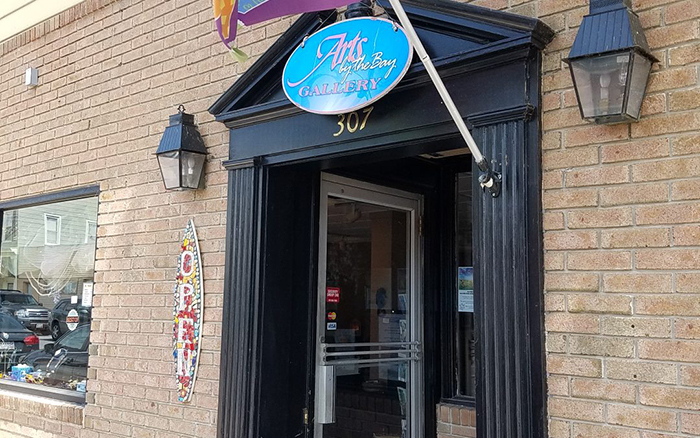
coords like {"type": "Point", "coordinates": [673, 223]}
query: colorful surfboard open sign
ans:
{"type": "Point", "coordinates": [347, 65]}
{"type": "Point", "coordinates": [187, 313]}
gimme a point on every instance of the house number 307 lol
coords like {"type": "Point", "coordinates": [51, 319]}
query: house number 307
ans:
{"type": "Point", "coordinates": [354, 121]}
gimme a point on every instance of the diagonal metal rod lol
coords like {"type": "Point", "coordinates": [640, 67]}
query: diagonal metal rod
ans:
{"type": "Point", "coordinates": [489, 180]}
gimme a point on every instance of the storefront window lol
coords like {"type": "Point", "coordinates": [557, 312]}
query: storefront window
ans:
{"type": "Point", "coordinates": [47, 262]}
{"type": "Point", "coordinates": [464, 354]}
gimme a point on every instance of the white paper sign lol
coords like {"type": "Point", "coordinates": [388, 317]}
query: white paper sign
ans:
{"type": "Point", "coordinates": [466, 301]}
{"type": "Point", "coordinates": [87, 293]}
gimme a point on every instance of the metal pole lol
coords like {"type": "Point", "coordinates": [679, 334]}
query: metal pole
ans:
{"type": "Point", "coordinates": [489, 180]}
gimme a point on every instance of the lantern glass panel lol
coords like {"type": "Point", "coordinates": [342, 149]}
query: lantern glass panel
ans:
{"type": "Point", "coordinates": [641, 68]}
{"type": "Point", "coordinates": [170, 168]}
{"type": "Point", "coordinates": [601, 83]}
{"type": "Point", "coordinates": [192, 165]}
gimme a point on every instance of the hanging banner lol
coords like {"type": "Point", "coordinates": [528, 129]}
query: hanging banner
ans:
{"type": "Point", "coordinates": [347, 65]}
{"type": "Point", "coordinates": [188, 311]}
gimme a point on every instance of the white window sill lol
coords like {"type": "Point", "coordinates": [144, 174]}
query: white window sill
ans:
{"type": "Point", "coordinates": [42, 394]}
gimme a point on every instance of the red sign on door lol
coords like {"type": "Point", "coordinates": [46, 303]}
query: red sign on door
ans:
{"type": "Point", "coordinates": [332, 294]}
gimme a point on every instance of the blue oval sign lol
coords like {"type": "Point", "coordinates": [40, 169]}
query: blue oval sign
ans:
{"type": "Point", "coordinates": [347, 65]}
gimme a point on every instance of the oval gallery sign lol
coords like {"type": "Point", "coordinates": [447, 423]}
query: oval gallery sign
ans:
{"type": "Point", "coordinates": [188, 311]}
{"type": "Point", "coordinates": [347, 65]}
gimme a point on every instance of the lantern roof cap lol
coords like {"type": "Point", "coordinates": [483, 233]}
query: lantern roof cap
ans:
{"type": "Point", "coordinates": [181, 135]}
{"type": "Point", "coordinates": [610, 26]}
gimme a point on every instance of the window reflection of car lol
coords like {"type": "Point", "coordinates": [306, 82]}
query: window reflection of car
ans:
{"type": "Point", "coordinates": [58, 315]}
{"type": "Point", "coordinates": [64, 361]}
{"type": "Point", "coordinates": [15, 341]}
{"type": "Point", "coordinates": [26, 309]}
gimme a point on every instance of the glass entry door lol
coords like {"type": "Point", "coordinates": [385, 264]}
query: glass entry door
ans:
{"type": "Point", "coordinates": [368, 352]}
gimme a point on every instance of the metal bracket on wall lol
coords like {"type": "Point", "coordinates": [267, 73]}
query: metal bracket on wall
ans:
{"type": "Point", "coordinates": [490, 180]}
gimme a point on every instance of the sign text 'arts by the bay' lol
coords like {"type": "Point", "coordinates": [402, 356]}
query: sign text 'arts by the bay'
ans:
{"type": "Point", "coordinates": [347, 65]}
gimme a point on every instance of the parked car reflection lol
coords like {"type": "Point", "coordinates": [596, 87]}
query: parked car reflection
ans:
{"type": "Point", "coordinates": [26, 309]}
{"type": "Point", "coordinates": [58, 315]}
{"type": "Point", "coordinates": [15, 341]}
{"type": "Point", "coordinates": [65, 362]}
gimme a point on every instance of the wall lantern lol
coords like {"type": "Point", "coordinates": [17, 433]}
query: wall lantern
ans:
{"type": "Point", "coordinates": [610, 63]}
{"type": "Point", "coordinates": [181, 153]}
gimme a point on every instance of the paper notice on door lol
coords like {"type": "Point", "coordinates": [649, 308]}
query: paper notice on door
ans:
{"type": "Point", "coordinates": [87, 293]}
{"type": "Point", "coordinates": [465, 301]}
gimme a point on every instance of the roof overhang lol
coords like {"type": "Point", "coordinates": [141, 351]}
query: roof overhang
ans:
{"type": "Point", "coordinates": [454, 34]}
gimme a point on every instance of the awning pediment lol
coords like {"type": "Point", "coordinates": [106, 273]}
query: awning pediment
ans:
{"type": "Point", "coordinates": [452, 33]}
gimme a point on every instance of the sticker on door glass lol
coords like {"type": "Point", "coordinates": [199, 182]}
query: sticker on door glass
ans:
{"type": "Point", "coordinates": [332, 294]}
{"type": "Point", "coordinates": [331, 326]}
{"type": "Point", "coordinates": [332, 316]}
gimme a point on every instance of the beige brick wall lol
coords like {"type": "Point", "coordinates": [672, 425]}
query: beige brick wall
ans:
{"type": "Point", "coordinates": [110, 74]}
{"type": "Point", "coordinates": [621, 211]}
{"type": "Point", "coordinates": [622, 238]}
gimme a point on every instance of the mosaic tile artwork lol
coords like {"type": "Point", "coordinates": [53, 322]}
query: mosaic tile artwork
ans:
{"type": "Point", "coordinates": [187, 314]}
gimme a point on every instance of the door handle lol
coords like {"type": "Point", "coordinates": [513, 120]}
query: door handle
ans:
{"type": "Point", "coordinates": [325, 402]}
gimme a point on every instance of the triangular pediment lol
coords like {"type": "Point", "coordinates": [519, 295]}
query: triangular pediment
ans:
{"type": "Point", "coordinates": [451, 32]}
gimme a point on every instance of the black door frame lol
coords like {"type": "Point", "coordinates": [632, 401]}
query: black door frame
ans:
{"type": "Point", "coordinates": [276, 153]}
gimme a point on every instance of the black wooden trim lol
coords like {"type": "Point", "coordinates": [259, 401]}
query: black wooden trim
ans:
{"type": "Point", "coordinates": [240, 164]}
{"type": "Point", "coordinates": [467, 402]}
{"type": "Point", "coordinates": [511, 391]}
{"type": "Point", "coordinates": [504, 21]}
{"type": "Point", "coordinates": [523, 112]}
{"type": "Point", "coordinates": [498, 34]}
{"type": "Point", "coordinates": [500, 290]}
{"type": "Point", "coordinates": [483, 58]}
{"type": "Point", "coordinates": [498, 89]}
{"type": "Point", "coordinates": [447, 217]}
{"type": "Point", "coordinates": [448, 263]}
{"type": "Point", "coordinates": [240, 340]}
{"type": "Point", "coordinates": [535, 273]}
{"type": "Point", "coordinates": [48, 198]}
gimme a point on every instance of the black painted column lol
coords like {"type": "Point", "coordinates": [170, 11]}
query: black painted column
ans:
{"type": "Point", "coordinates": [508, 288]}
{"type": "Point", "coordinates": [240, 340]}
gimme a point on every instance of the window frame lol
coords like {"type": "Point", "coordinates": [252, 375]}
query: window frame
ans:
{"type": "Point", "coordinates": [448, 325]}
{"type": "Point", "coordinates": [49, 198]}
{"type": "Point", "coordinates": [46, 229]}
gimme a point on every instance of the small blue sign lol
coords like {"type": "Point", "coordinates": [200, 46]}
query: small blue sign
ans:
{"type": "Point", "coordinates": [347, 66]}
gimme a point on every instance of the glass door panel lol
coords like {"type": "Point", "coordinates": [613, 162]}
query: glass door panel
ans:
{"type": "Point", "coordinates": [369, 348]}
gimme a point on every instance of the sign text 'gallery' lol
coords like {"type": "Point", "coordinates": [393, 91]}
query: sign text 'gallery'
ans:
{"type": "Point", "coordinates": [347, 65]}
